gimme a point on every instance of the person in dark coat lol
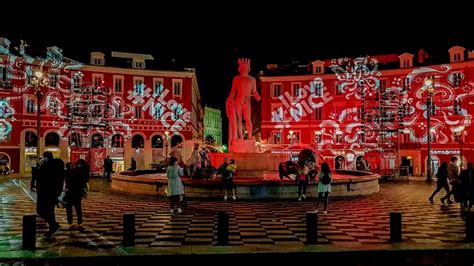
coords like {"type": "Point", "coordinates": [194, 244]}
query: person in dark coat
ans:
{"type": "Point", "coordinates": [49, 187]}
{"type": "Point", "coordinates": [133, 165]}
{"type": "Point", "coordinates": [108, 167]}
{"type": "Point", "coordinates": [467, 187]}
{"type": "Point", "coordinates": [76, 179]}
{"type": "Point", "coordinates": [34, 174]}
{"type": "Point", "coordinates": [442, 182]}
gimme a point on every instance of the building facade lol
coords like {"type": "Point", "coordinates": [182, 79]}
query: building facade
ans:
{"type": "Point", "coordinates": [213, 124]}
{"type": "Point", "coordinates": [117, 106]}
{"type": "Point", "coordinates": [375, 108]}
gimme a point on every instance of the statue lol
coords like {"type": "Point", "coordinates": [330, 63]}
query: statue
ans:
{"type": "Point", "coordinates": [238, 103]}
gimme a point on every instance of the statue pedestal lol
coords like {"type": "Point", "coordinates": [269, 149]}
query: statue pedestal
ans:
{"type": "Point", "coordinates": [243, 146]}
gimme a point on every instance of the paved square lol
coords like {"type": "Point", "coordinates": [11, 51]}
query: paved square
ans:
{"type": "Point", "coordinates": [363, 219]}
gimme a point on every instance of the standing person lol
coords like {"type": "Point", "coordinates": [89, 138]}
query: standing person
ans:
{"type": "Point", "coordinates": [133, 165]}
{"type": "Point", "coordinates": [175, 185]}
{"type": "Point", "coordinates": [442, 182]}
{"type": "Point", "coordinates": [48, 192]}
{"type": "Point", "coordinates": [302, 180]}
{"type": "Point", "coordinates": [453, 171]}
{"type": "Point", "coordinates": [108, 167]}
{"type": "Point", "coordinates": [229, 181]}
{"type": "Point", "coordinates": [34, 173]}
{"type": "Point", "coordinates": [324, 186]}
{"type": "Point", "coordinates": [75, 185]}
{"type": "Point", "coordinates": [467, 184]}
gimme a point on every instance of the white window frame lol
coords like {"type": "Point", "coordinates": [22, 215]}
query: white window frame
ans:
{"type": "Point", "coordinates": [155, 80]}
{"type": "Point", "coordinates": [119, 114]}
{"type": "Point", "coordinates": [272, 134]}
{"type": "Point", "coordinates": [73, 80]}
{"type": "Point", "coordinates": [298, 134]}
{"type": "Point", "coordinates": [318, 70]}
{"type": "Point", "coordinates": [138, 107]}
{"type": "Point", "coordinates": [316, 134]}
{"type": "Point", "coordinates": [34, 102]}
{"type": "Point", "coordinates": [273, 85]}
{"type": "Point", "coordinates": [57, 79]}
{"type": "Point", "coordinates": [50, 101]}
{"type": "Point", "coordinates": [320, 111]}
{"type": "Point", "coordinates": [97, 76]}
{"type": "Point", "coordinates": [336, 138]}
{"type": "Point", "coordinates": [135, 79]}
{"type": "Point", "coordinates": [274, 107]}
{"type": "Point", "coordinates": [319, 87]}
{"type": "Point", "coordinates": [178, 81]}
{"type": "Point", "coordinates": [115, 79]}
{"type": "Point", "coordinates": [293, 89]}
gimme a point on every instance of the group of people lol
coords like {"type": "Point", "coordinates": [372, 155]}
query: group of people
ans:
{"type": "Point", "coordinates": [462, 184]}
{"type": "Point", "coordinates": [308, 172]}
{"type": "Point", "coordinates": [50, 179]}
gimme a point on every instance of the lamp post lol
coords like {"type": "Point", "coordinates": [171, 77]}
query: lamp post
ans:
{"type": "Point", "coordinates": [167, 137]}
{"type": "Point", "coordinates": [291, 137]}
{"type": "Point", "coordinates": [429, 86]}
{"type": "Point", "coordinates": [38, 80]}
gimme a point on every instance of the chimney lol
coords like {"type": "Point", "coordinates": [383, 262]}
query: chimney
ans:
{"type": "Point", "coordinates": [4, 46]}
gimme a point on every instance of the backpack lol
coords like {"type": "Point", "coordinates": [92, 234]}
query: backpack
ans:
{"type": "Point", "coordinates": [325, 178]}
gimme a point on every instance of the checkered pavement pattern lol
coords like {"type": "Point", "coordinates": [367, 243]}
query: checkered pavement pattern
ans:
{"type": "Point", "coordinates": [356, 220]}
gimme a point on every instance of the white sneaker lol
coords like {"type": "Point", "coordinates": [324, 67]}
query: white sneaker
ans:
{"type": "Point", "coordinates": [304, 197]}
{"type": "Point", "coordinates": [171, 211]}
{"type": "Point", "coordinates": [299, 198]}
{"type": "Point", "coordinates": [316, 211]}
{"type": "Point", "coordinates": [180, 210]}
{"type": "Point", "coordinates": [325, 212]}
{"type": "Point", "coordinates": [225, 198]}
{"type": "Point", "coordinates": [234, 198]}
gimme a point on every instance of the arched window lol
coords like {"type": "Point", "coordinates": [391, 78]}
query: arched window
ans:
{"type": "Point", "coordinates": [52, 139]}
{"type": "Point", "coordinates": [157, 142]}
{"type": "Point", "coordinates": [138, 142]}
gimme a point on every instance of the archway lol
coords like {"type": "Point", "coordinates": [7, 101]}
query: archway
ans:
{"type": "Point", "coordinates": [51, 139]}
{"type": "Point", "coordinates": [5, 167]}
{"type": "Point", "coordinates": [75, 140]}
{"type": "Point", "coordinates": [176, 140]}
{"type": "Point", "coordinates": [97, 141]}
{"type": "Point", "coordinates": [157, 145]}
{"type": "Point", "coordinates": [138, 143]}
{"type": "Point", "coordinates": [117, 153]}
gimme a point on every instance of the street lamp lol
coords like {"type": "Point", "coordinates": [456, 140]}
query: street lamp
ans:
{"type": "Point", "coordinates": [38, 80]}
{"type": "Point", "coordinates": [291, 137]}
{"type": "Point", "coordinates": [167, 137]}
{"type": "Point", "coordinates": [459, 132]}
{"type": "Point", "coordinates": [429, 86]}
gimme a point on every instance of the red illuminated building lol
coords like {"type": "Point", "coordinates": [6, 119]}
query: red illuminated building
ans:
{"type": "Point", "coordinates": [118, 106]}
{"type": "Point", "coordinates": [373, 108]}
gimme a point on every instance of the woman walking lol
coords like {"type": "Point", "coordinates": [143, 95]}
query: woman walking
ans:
{"type": "Point", "coordinates": [324, 186]}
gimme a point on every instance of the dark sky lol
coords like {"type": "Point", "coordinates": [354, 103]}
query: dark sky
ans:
{"type": "Point", "coordinates": [212, 37]}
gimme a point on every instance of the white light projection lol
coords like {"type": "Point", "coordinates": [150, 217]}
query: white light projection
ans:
{"type": "Point", "coordinates": [160, 109]}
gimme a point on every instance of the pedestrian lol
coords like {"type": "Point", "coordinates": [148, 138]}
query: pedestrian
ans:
{"type": "Point", "coordinates": [49, 188]}
{"type": "Point", "coordinates": [324, 186]}
{"type": "Point", "coordinates": [467, 186]}
{"type": "Point", "coordinates": [175, 185]}
{"type": "Point", "coordinates": [108, 167]}
{"type": "Point", "coordinates": [75, 185]}
{"type": "Point", "coordinates": [453, 175]}
{"type": "Point", "coordinates": [133, 165]}
{"type": "Point", "coordinates": [34, 173]}
{"type": "Point", "coordinates": [442, 181]}
{"type": "Point", "coordinates": [302, 180]}
{"type": "Point", "coordinates": [227, 180]}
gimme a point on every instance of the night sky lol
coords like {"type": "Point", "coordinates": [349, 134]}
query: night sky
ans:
{"type": "Point", "coordinates": [212, 39]}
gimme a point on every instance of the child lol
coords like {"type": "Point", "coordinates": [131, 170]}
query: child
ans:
{"type": "Point", "coordinates": [231, 168]}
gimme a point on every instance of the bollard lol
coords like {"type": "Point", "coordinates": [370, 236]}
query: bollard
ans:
{"type": "Point", "coordinates": [29, 232]}
{"type": "Point", "coordinates": [129, 229]}
{"type": "Point", "coordinates": [395, 227]}
{"type": "Point", "coordinates": [470, 227]}
{"type": "Point", "coordinates": [222, 229]}
{"type": "Point", "coordinates": [311, 228]}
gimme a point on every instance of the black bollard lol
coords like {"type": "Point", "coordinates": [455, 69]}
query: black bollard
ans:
{"type": "Point", "coordinates": [395, 227]}
{"type": "Point", "coordinates": [129, 229]}
{"type": "Point", "coordinates": [222, 229]}
{"type": "Point", "coordinates": [311, 228]}
{"type": "Point", "coordinates": [29, 232]}
{"type": "Point", "coordinates": [470, 227]}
